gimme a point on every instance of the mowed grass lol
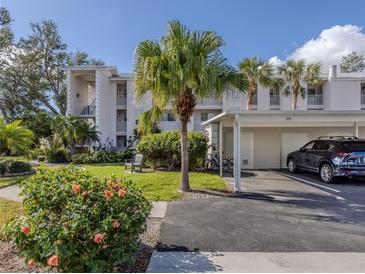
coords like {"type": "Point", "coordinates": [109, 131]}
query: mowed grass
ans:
{"type": "Point", "coordinates": [7, 181]}
{"type": "Point", "coordinates": [158, 185]}
{"type": "Point", "coordinates": [8, 210]}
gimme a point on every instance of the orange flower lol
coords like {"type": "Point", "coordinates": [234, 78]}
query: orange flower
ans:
{"type": "Point", "coordinates": [53, 261]}
{"type": "Point", "coordinates": [115, 187]}
{"type": "Point", "coordinates": [108, 194]}
{"type": "Point", "coordinates": [25, 230]}
{"type": "Point", "coordinates": [76, 188]}
{"type": "Point", "coordinates": [98, 238]}
{"type": "Point", "coordinates": [32, 263]}
{"type": "Point", "coordinates": [121, 193]}
{"type": "Point", "coordinates": [116, 224]}
{"type": "Point", "coordinates": [85, 194]}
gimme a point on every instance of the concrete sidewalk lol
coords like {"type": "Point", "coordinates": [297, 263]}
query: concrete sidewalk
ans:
{"type": "Point", "coordinates": [256, 262]}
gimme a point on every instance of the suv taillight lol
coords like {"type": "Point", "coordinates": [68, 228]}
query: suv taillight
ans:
{"type": "Point", "coordinates": [343, 154]}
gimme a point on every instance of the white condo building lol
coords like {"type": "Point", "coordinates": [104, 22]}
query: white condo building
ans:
{"type": "Point", "coordinates": [257, 138]}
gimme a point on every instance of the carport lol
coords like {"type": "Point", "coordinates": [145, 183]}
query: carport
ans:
{"type": "Point", "coordinates": [262, 139]}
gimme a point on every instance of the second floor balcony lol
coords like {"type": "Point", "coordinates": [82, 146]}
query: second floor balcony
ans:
{"type": "Point", "coordinates": [121, 126]}
{"type": "Point", "coordinates": [363, 99]}
{"type": "Point", "coordinates": [83, 109]}
{"type": "Point", "coordinates": [121, 100]}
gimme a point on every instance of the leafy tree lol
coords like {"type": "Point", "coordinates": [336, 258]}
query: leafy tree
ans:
{"type": "Point", "coordinates": [292, 73]}
{"type": "Point", "coordinates": [352, 62]}
{"type": "Point", "coordinates": [257, 71]}
{"type": "Point", "coordinates": [41, 125]}
{"type": "Point", "coordinates": [185, 66]}
{"type": "Point", "coordinates": [14, 138]}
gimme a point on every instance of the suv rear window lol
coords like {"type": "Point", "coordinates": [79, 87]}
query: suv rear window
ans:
{"type": "Point", "coordinates": [354, 146]}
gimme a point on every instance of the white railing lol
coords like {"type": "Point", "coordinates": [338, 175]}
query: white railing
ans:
{"type": "Point", "coordinates": [121, 126]}
{"type": "Point", "coordinates": [209, 101]}
{"type": "Point", "coordinates": [83, 109]}
{"type": "Point", "coordinates": [315, 100]}
{"type": "Point", "coordinates": [274, 100]}
{"type": "Point", "coordinates": [121, 100]}
{"type": "Point", "coordinates": [363, 99]}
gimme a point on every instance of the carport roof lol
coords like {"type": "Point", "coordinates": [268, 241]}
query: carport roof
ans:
{"type": "Point", "coordinates": [289, 117]}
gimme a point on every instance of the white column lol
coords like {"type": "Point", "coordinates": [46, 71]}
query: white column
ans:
{"type": "Point", "coordinates": [70, 96]}
{"type": "Point", "coordinates": [356, 129]}
{"type": "Point", "coordinates": [237, 153]}
{"type": "Point", "coordinates": [221, 148]}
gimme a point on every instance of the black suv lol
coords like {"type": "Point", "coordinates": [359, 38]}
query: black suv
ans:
{"type": "Point", "coordinates": [334, 156]}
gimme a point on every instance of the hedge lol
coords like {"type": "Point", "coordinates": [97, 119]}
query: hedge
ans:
{"type": "Point", "coordinates": [163, 149]}
{"type": "Point", "coordinates": [14, 166]}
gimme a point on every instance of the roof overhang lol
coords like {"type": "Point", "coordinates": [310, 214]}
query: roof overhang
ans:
{"type": "Point", "coordinates": [283, 118]}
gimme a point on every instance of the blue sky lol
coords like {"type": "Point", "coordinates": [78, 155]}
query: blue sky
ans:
{"type": "Point", "coordinates": [111, 29]}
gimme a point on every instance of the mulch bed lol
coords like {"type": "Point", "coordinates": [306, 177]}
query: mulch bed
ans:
{"type": "Point", "coordinates": [10, 261]}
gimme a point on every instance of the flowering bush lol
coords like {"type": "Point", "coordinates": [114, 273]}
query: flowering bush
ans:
{"type": "Point", "coordinates": [78, 223]}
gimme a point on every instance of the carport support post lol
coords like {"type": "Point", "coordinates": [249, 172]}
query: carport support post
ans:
{"type": "Point", "coordinates": [356, 129]}
{"type": "Point", "coordinates": [237, 152]}
{"type": "Point", "coordinates": [221, 148]}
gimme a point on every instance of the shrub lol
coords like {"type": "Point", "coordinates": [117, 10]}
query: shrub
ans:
{"type": "Point", "coordinates": [57, 155]}
{"type": "Point", "coordinates": [14, 166]}
{"type": "Point", "coordinates": [3, 167]}
{"type": "Point", "coordinates": [83, 158]}
{"type": "Point", "coordinates": [41, 158]}
{"type": "Point", "coordinates": [163, 149]}
{"type": "Point", "coordinates": [33, 154]}
{"type": "Point", "coordinates": [18, 167]}
{"type": "Point", "coordinates": [77, 222]}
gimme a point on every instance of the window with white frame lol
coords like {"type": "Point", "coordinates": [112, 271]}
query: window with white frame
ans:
{"type": "Point", "coordinates": [204, 116]}
{"type": "Point", "coordinates": [315, 95]}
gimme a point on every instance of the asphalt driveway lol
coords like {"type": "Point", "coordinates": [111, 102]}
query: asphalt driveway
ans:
{"type": "Point", "coordinates": [273, 214]}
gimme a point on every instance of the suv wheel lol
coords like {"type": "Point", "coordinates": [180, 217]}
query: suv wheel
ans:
{"type": "Point", "coordinates": [326, 173]}
{"type": "Point", "coordinates": [291, 166]}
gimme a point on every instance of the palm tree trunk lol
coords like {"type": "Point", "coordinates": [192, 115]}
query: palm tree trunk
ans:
{"type": "Point", "coordinates": [294, 101]}
{"type": "Point", "coordinates": [184, 186]}
{"type": "Point", "coordinates": [250, 93]}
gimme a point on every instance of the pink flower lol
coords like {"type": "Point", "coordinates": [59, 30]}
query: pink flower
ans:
{"type": "Point", "coordinates": [25, 230]}
{"type": "Point", "coordinates": [108, 194]}
{"type": "Point", "coordinates": [121, 193]}
{"type": "Point", "coordinates": [115, 224]}
{"type": "Point", "coordinates": [32, 263]}
{"type": "Point", "coordinates": [98, 238]}
{"type": "Point", "coordinates": [85, 194]}
{"type": "Point", "coordinates": [115, 187]}
{"type": "Point", "coordinates": [120, 181]}
{"type": "Point", "coordinates": [76, 188]}
{"type": "Point", "coordinates": [53, 261]}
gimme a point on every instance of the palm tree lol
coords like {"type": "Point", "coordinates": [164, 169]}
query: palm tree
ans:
{"type": "Point", "coordinates": [14, 138]}
{"type": "Point", "coordinates": [86, 132]}
{"type": "Point", "coordinates": [185, 66]}
{"type": "Point", "coordinates": [293, 72]}
{"type": "Point", "coordinates": [257, 71]}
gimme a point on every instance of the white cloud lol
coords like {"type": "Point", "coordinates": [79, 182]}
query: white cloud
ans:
{"type": "Point", "coordinates": [331, 45]}
{"type": "Point", "coordinates": [275, 61]}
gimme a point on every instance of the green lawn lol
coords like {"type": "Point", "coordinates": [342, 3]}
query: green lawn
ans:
{"type": "Point", "coordinates": [7, 181]}
{"type": "Point", "coordinates": [8, 210]}
{"type": "Point", "coordinates": [18, 158]}
{"type": "Point", "coordinates": [159, 185]}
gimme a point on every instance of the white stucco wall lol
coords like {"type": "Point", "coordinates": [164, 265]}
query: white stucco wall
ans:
{"type": "Point", "coordinates": [344, 94]}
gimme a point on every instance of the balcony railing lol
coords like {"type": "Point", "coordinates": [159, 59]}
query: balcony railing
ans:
{"type": "Point", "coordinates": [83, 109]}
{"type": "Point", "coordinates": [209, 101]}
{"type": "Point", "coordinates": [121, 100]}
{"type": "Point", "coordinates": [363, 99]}
{"type": "Point", "coordinates": [121, 126]}
{"type": "Point", "coordinates": [315, 100]}
{"type": "Point", "coordinates": [274, 100]}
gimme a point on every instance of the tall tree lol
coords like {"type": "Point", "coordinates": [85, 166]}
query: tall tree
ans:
{"type": "Point", "coordinates": [183, 67]}
{"type": "Point", "coordinates": [257, 71]}
{"type": "Point", "coordinates": [352, 62]}
{"type": "Point", "coordinates": [292, 73]}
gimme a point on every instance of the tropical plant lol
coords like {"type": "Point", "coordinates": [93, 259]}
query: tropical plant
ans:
{"type": "Point", "coordinates": [70, 130]}
{"type": "Point", "coordinates": [257, 71]}
{"type": "Point", "coordinates": [292, 73]}
{"type": "Point", "coordinates": [75, 222]}
{"type": "Point", "coordinates": [185, 66]}
{"type": "Point", "coordinates": [14, 138]}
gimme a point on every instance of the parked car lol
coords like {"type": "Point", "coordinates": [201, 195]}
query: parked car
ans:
{"type": "Point", "coordinates": [330, 156]}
